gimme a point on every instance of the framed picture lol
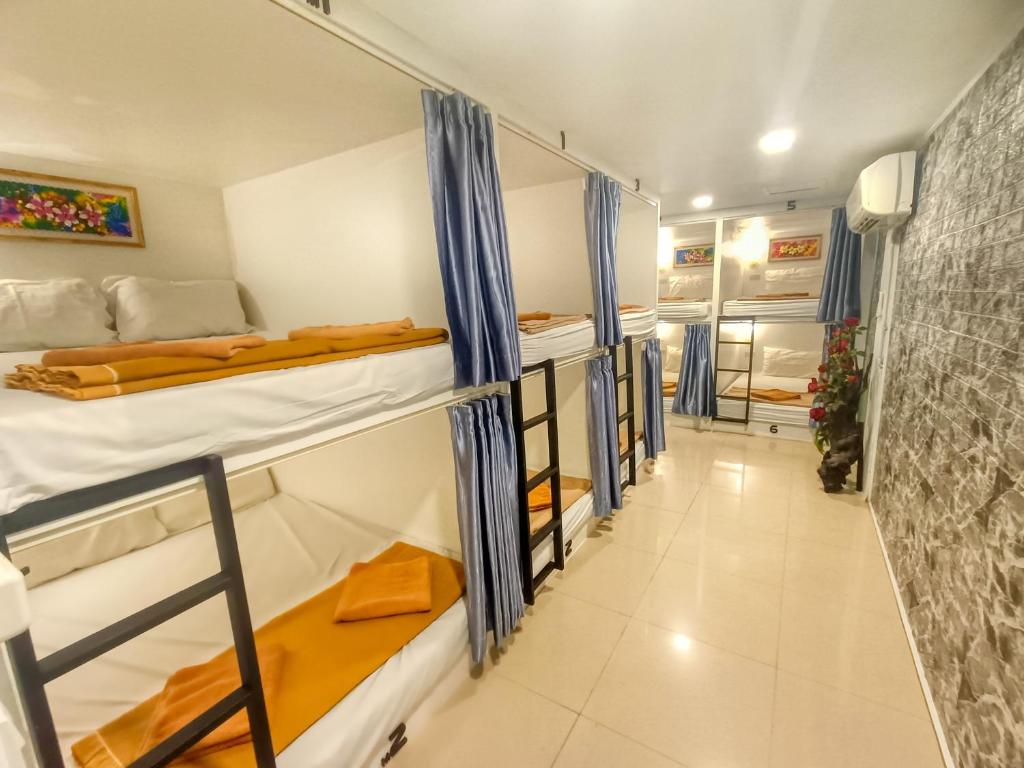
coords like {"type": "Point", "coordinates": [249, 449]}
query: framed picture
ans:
{"type": "Point", "coordinates": [693, 255]}
{"type": "Point", "coordinates": [794, 248]}
{"type": "Point", "coordinates": [34, 206]}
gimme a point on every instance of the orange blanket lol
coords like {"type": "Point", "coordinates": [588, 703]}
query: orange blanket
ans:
{"type": "Point", "coordinates": [339, 332]}
{"type": "Point", "coordinates": [625, 309]}
{"type": "Point", "coordinates": [115, 353]}
{"type": "Point", "coordinates": [130, 376]}
{"type": "Point", "coordinates": [572, 489]}
{"type": "Point", "coordinates": [324, 662]}
{"type": "Point", "coordinates": [375, 590]}
{"type": "Point", "coordinates": [536, 322]}
{"type": "Point", "coordinates": [191, 691]}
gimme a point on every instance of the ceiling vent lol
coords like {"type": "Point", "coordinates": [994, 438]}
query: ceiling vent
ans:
{"type": "Point", "coordinates": [883, 196]}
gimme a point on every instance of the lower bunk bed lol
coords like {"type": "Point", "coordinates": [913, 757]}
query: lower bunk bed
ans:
{"type": "Point", "coordinates": [773, 399]}
{"type": "Point", "coordinates": [572, 335]}
{"type": "Point", "coordinates": [292, 551]}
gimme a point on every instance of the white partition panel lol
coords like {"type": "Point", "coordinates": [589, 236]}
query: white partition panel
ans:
{"type": "Point", "coordinates": [401, 478]}
{"type": "Point", "coordinates": [345, 239]}
{"type": "Point", "coordinates": [574, 452]}
{"type": "Point", "coordinates": [637, 266]}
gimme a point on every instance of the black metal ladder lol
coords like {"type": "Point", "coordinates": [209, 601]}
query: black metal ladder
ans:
{"type": "Point", "coordinates": [748, 370]}
{"type": "Point", "coordinates": [629, 415]}
{"type": "Point", "coordinates": [528, 543]}
{"type": "Point", "coordinates": [32, 673]}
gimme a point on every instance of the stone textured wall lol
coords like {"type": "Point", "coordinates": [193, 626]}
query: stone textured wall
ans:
{"type": "Point", "coordinates": [951, 459]}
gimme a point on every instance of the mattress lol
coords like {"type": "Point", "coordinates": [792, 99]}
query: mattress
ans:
{"type": "Point", "coordinates": [684, 310]}
{"type": "Point", "coordinates": [573, 520]}
{"type": "Point", "coordinates": [775, 413]}
{"type": "Point", "coordinates": [804, 309]}
{"type": "Point", "coordinates": [49, 445]}
{"type": "Point", "coordinates": [639, 323]}
{"type": "Point", "coordinates": [564, 341]}
{"type": "Point", "coordinates": [291, 549]}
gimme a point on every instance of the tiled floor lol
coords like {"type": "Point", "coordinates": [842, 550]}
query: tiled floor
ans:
{"type": "Point", "coordinates": [731, 615]}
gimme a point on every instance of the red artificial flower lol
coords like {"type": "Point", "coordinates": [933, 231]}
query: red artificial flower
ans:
{"type": "Point", "coordinates": [812, 386]}
{"type": "Point", "coordinates": [822, 368]}
{"type": "Point", "coordinates": [852, 322]}
{"type": "Point", "coordinates": [843, 345]}
{"type": "Point", "coordinates": [852, 378]}
{"type": "Point", "coordinates": [817, 413]}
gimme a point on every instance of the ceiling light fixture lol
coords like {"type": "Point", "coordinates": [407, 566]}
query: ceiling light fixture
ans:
{"type": "Point", "coordinates": [774, 142]}
{"type": "Point", "coordinates": [702, 201]}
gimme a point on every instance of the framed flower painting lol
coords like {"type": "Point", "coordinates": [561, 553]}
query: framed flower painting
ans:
{"type": "Point", "coordinates": [39, 207]}
{"type": "Point", "coordinates": [693, 255]}
{"type": "Point", "coordinates": [794, 248]}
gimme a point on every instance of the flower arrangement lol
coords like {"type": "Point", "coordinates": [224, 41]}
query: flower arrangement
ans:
{"type": "Point", "coordinates": [836, 390]}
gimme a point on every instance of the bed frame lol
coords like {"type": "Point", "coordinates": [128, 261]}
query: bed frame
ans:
{"type": "Point", "coordinates": [748, 370]}
{"type": "Point", "coordinates": [528, 542]}
{"type": "Point", "coordinates": [32, 673]}
{"type": "Point", "coordinates": [629, 415]}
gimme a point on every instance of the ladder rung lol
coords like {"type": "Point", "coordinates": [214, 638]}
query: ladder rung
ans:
{"type": "Point", "coordinates": [627, 455]}
{"type": "Point", "coordinates": [729, 418]}
{"type": "Point", "coordinates": [544, 573]}
{"type": "Point", "coordinates": [538, 419]}
{"type": "Point", "coordinates": [726, 341]}
{"type": "Point", "coordinates": [624, 376]}
{"type": "Point", "coordinates": [536, 539]}
{"type": "Point", "coordinates": [732, 397]}
{"type": "Point", "coordinates": [734, 370]}
{"type": "Point", "coordinates": [623, 417]}
{"type": "Point", "coordinates": [540, 477]}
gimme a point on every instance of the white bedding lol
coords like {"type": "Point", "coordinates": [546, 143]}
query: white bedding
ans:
{"type": "Point", "coordinates": [765, 412]}
{"type": "Point", "coordinates": [684, 310]}
{"type": "Point", "coordinates": [806, 309]}
{"type": "Point", "coordinates": [49, 445]}
{"type": "Point", "coordinates": [291, 549]}
{"type": "Point", "coordinates": [577, 338]}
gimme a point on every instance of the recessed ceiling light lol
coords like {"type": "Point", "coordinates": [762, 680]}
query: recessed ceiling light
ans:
{"type": "Point", "coordinates": [774, 142]}
{"type": "Point", "coordinates": [702, 201]}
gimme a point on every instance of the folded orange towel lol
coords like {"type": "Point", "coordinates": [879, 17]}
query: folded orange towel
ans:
{"type": "Point", "coordinates": [191, 691]}
{"type": "Point", "coordinates": [375, 590]}
{"type": "Point", "coordinates": [625, 309]}
{"type": "Point", "coordinates": [221, 349]}
{"type": "Point", "coordinates": [337, 332]}
{"type": "Point", "coordinates": [540, 498]}
{"type": "Point", "coordinates": [525, 316]}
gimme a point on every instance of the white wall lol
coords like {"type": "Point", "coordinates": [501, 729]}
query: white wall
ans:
{"type": "Point", "coordinates": [548, 248]}
{"type": "Point", "coordinates": [573, 446]}
{"type": "Point", "coordinates": [637, 266]}
{"type": "Point", "coordinates": [345, 239]}
{"type": "Point", "coordinates": [184, 225]}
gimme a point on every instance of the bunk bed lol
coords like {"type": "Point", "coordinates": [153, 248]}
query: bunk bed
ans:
{"type": "Point", "coordinates": [684, 310]}
{"type": "Point", "coordinates": [577, 338]}
{"type": "Point", "coordinates": [769, 309]}
{"type": "Point", "coordinates": [250, 420]}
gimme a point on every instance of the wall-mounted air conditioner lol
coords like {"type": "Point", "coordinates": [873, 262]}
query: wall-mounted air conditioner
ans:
{"type": "Point", "coordinates": [883, 196]}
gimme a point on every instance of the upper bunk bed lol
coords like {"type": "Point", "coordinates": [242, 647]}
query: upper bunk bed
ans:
{"type": "Point", "coordinates": [773, 265]}
{"type": "Point", "coordinates": [244, 199]}
{"type": "Point", "coordinates": [543, 195]}
{"type": "Point", "coordinates": [686, 272]}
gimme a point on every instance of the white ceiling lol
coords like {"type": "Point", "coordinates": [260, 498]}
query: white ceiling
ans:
{"type": "Point", "coordinates": [677, 93]}
{"type": "Point", "coordinates": [207, 91]}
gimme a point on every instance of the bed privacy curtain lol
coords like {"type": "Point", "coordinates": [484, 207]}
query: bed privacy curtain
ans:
{"type": "Point", "coordinates": [654, 411]}
{"type": "Point", "coordinates": [472, 240]}
{"type": "Point", "coordinates": [601, 209]}
{"type": "Point", "coordinates": [695, 392]}
{"type": "Point", "coordinates": [840, 288]}
{"type": "Point", "coordinates": [483, 442]}
{"type": "Point", "coordinates": [603, 436]}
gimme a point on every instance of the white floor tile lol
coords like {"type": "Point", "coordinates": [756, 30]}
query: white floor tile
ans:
{"type": "Point", "coordinates": [695, 703]}
{"type": "Point", "coordinates": [856, 576]}
{"type": "Point", "coordinates": [608, 575]}
{"type": "Point", "coordinates": [647, 528]}
{"type": "Point", "coordinates": [593, 746]}
{"type": "Point", "coordinates": [728, 545]}
{"type": "Point", "coordinates": [561, 648]}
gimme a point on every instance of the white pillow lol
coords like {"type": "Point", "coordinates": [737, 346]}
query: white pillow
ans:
{"type": "Point", "coordinates": [672, 358]}
{"type": "Point", "coordinates": [791, 363]}
{"type": "Point", "coordinates": [146, 308]}
{"type": "Point", "coordinates": [48, 314]}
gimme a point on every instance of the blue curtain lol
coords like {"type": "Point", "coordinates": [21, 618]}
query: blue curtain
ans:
{"type": "Point", "coordinates": [695, 392]}
{"type": "Point", "coordinates": [483, 441]}
{"type": "Point", "coordinates": [601, 210]}
{"type": "Point", "coordinates": [840, 288]}
{"type": "Point", "coordinates": [654, 409]}
{"type": "Point", "coordinates": [472, 240]}
{"type": "Point", "coordinates": [603, 436]}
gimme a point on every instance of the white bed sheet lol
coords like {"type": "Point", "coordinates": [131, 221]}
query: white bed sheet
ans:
{"type": "Point", "coordinates": [49, 445]}
{"type": "Point", "coordinates": [766, 412]}
{"type": "Point", "coordinates": [639, 323]}
{"type": "Point", "coordinates": [291, 549]}
{"type": "Point", "coordinates": [564, 341]}
{"type": "Point", "coordinates": [684, 310]}
{"type": "Point", "coordinates": [806, 309]}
